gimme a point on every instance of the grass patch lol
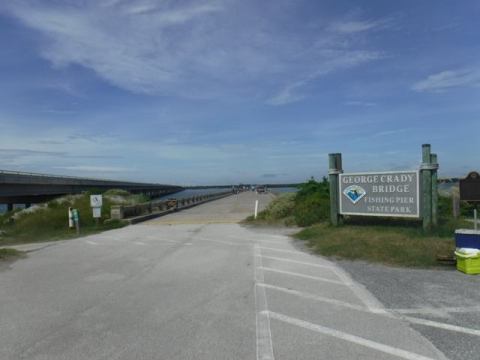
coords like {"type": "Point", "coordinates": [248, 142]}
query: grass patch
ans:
{"type": "Point", "coordinates": [10, 254]}
{"type": "Point", "coordinates": [399, 246]}
{"type": "Point", "coordinates": [50, 222]}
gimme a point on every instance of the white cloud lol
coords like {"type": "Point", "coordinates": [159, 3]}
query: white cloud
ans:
{"type": "Point", "coordinates": [332, 60]}
{"type": "Point", "coordinates": [288, 94]}
{"type": "Point", "coordinates": [350, 27]}
{"type": "Point", "coordinates": [95, 169]}
{"type": "Point", "coordinates": [200, 49]}
{"type": "Point", "coordinates": [448, 79]}
{"type": "Point", "coordinates": [360, 103]}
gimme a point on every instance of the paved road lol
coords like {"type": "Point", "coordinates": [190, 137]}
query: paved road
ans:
{"type": "Point", "coordinates": [190, 287]}
{"type": "Point", "coordinates": [442, 304]}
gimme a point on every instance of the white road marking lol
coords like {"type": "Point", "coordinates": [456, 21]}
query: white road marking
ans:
{"type": "Point", "coordinates": [404, 354]}
{"type": "Point", "coordinates": [222, 242]}
{"type": "Point", "coordinates": [375, 311]}
{"type": "Point", "coordinates": [91, 242]}
{"type": "Point", "coordinates": [283, 250]}
{"type": "Point", "coordinates": [139, 243]}
{"type": "Point", "coordinates": [298, 262]}
{"type": "Point", "coordinates": [314, 297]}
{"type": "Point", "coordinates": [272, 242]}
{"type": "Point", "coordinates": [442, 325]}
{"type": "Point", "coordinates": [433, 310]}
{"type": "Point", "coordinates": [263, 332]}
{"type": "Point", "coordinates": [372, 303]}
{"type": "Point", "coordinates": [363, 294]}
{"type": "Point", "coordinates": [302, 275]}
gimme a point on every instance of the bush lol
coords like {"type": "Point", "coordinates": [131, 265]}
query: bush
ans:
{"type": "Point", "coordinates": [311, 210]}
{"type": "Point", "coordinates": [312, 203]}
{"type": "Point", "coordinates": [51, 222]}
{"type": "Point", "coordinates": [278, 210]}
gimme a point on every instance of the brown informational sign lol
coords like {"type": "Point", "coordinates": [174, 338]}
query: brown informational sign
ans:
{"type": "Point", "coordinates": [380, 194]}
{"type": "Point", "coordinates": [470, 187]}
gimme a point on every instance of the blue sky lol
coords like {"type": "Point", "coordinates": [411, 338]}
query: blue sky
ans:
{"type": "Point", "coordinates": [212, 91]}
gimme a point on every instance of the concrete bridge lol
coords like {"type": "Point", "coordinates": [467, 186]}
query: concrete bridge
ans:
{"type": "Point", "coordinates": [27, 188]}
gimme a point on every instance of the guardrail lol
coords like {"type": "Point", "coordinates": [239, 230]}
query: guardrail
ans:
{"type": "Point", "coordinates": [152, 209]}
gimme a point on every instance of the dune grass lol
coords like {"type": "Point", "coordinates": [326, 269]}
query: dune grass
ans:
{"type": "Point", "coordinates": [50, 222]}
{"type": "Point", "coordinates": [278, 212]}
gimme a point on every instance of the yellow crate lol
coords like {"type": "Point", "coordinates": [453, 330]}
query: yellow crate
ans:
{"type": "Point", "coordinates": [468, 265]}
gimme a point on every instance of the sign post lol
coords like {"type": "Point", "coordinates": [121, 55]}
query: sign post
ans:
{"type": "Point", "coordinates": [76, 220]}
{"type": "Point", "coordinates": [426, 185]}
{"type": "Point", "coordinates": [470, 192]}
{"type": "Point", "coordinates": [71, 224]}
{"type": "Point", "coordinates": [434, 162]}
{"type": "Point", "coordinates": [96, 202]}
{"type": "Point", "coordinates": [334, 170]}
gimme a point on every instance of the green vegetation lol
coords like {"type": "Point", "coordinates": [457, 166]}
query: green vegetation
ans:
{"type": "Point", "coordinates": [279, 211]}
{"type": "Point", "coordinates": [312, 203]}
{"type": "Point", "coordinates": [392, 241]}
{"type": "Point", "coordinates": [10, 254]}
{"type": "Point", "coordinates": [309, 205]}
{"type": "Point", "coordinates": [392, 245]}
{"type": "Point", "coordinates": [50, 221]}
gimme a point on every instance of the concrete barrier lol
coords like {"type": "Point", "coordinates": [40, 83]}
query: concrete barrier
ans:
{"type": "Point", "coordinates": [150, 210]}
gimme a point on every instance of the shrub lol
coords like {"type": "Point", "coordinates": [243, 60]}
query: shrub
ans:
{"type": "Point", "coordinates": [278, 210]}
{"type": "Point", "coordinates": [312, 203]}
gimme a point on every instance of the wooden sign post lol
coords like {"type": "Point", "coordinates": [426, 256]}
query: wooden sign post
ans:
{"type": "Point", "coordinates": [335, 168]}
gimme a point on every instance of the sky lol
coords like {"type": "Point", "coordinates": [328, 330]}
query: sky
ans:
{"type": "Point", "coordinates": [223, 91]}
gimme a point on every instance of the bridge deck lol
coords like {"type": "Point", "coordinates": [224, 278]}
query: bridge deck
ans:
{"type": "Point", "coordinates": [17, 187]}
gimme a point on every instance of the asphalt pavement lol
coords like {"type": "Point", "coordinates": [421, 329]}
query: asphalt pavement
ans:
{"type": "Point", "coordinates": [442, 304]}
{"type": "Point", "coordinates": [194, 285]}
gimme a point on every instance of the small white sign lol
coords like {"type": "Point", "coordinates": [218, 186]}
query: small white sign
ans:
{"type": "Point", "coordinates": [97, 212]}
{"type": "Point", "coordinates": [96, 201]}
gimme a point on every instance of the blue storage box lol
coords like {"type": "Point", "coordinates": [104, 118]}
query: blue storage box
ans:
{"type": "Point", "coordinates": [467, 238]}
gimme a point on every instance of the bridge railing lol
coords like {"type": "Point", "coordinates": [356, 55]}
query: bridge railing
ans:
{"type": "Point", "coordinates": [70, 177]}
{"type": "Point", "coordinates": [158, 208]}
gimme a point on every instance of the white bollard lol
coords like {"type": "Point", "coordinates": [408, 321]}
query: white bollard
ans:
{"type": "Point", "coordinates": [256, 208]}
{"type": "Point", "coordinates": [70, 218]}
{"type": "Point", "coordinates": [475, 218]}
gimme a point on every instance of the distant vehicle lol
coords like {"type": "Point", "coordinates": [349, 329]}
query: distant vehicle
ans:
{"type": "Point", "coordinates": [261, 189]}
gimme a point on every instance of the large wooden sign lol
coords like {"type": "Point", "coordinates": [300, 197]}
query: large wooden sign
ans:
{"type": "Point", "coordinates": [470, 187]}
{"type": "Point", "coordinates": [380, 194]}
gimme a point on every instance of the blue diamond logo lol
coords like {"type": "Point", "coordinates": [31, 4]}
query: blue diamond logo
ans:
{"type": "Point", "coordinates": [354, 193]}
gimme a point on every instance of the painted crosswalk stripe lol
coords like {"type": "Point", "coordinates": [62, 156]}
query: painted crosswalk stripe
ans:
{"type": "Point", "coordinates": [404, 354]}
{"type": "Point", "coordinates": [263, 332]}
{"type": "Point", "coordinates": [297, 262]}
{"type": "Point", "coordinates": [302, 275]}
